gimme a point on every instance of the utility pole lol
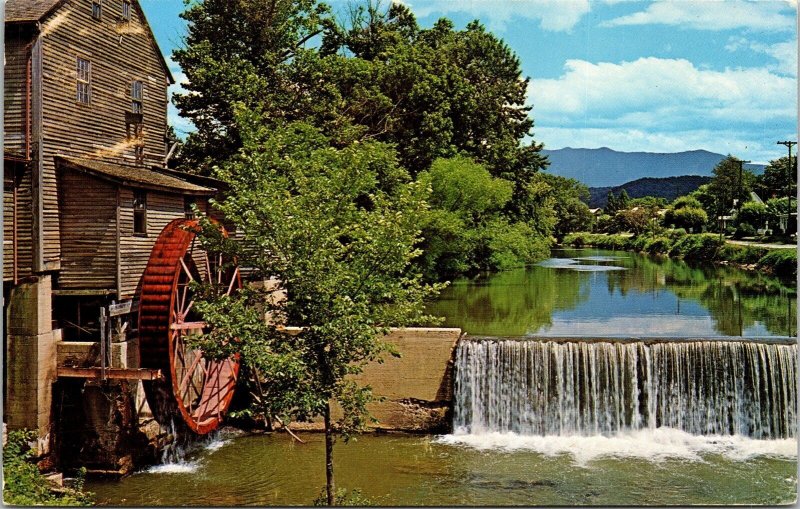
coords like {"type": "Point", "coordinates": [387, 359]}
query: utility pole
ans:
{"type": "Point", "coordinates": [788, 144]}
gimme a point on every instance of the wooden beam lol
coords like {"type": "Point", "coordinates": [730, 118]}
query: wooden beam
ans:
{"type": "Point", "coordinates": [115, 373]}
{"type": "Point", "coordinates": [78, 293]}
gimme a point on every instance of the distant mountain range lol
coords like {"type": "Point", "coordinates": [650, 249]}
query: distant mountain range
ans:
{"type": "Point", "coordinates": [667, 187]}
{"type": "Point", "coordinates": [604, 167]}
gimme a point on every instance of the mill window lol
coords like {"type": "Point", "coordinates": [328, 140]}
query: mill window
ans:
{"type": "Point", "coordinates": [84, 75]}
{"type": "Point", "coordinates": [97, 9]}
{"type": "Point", "coordinates": [188, 202]}
{"type": "Point", "coordinates": [140, 212]}
{"type": "Point", "coordinates": [126, 10]}
{"type": "Point", "coordinates": [137, 93]}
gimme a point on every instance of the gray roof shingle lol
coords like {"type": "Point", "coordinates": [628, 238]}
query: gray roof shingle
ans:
{"type": "Point", "coordinates": [134, 176]}
{"type": "Point", "coordinates": [29, 10]}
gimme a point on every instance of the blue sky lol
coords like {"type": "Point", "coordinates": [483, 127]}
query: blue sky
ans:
{"type": "Point", "coordinates": [660, 76]}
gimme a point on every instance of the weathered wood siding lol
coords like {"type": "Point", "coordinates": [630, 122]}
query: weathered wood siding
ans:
{"type": "Point", "coordinates": [88, 233]}
{"type": "Point", "coordinates": [17, 175]}
{"type": "Point", "coordinates": [119, 54]}
{"type": "Point", "coordinates": [135, 249]}
{"type": "Point", "coordinates": [9, 234]}
{"type": "Point", "coordinates": [15, 93]}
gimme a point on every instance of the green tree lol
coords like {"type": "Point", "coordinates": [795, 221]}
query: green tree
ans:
{"type": "Point", "coordinates": [465, 229]}
{"type": "Point", "coordinates": [433, 92]}
{"type": "Point", "coordinates": [623, 202]}
{"type": "Point", "coordinates": [337, 228]}
{"type": "Point", "coordinates": [730, 182]}
{"type": "Point", "coordinates": [752, 213]}
{"type": "Point", "coordinates": [558, 205]}
{"type": "Point", "coordinates": [612, 204]}
{"type": "Point", "coordinates": [775, 179]}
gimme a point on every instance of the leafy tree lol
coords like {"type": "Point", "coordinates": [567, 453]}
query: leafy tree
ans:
{"type": "Point", "coordinates": [337, 228]}
{"type": "Point", "coordinates": [253, 63]}
{"type": "Point", "coordinates": [648, 202]}
{"type": "Point", "coordinates": [634, 221]}
{"type": "Point", "coordinates": [465, 230]}
{"type": "Point", "coordinates": [775, 179]}
{"type": "Point", "coordinates": [693, 218]}
{"type": "Point", "coordinates": [686, 202]}
{"type": "Point", "coordinates": [731, 182]}
{"type": "Point", "coordinates": [558, 205]}
{"type": "Point", "coordinates": [752, 213]}
{"type": "Point", "coordinates": [433, 92]}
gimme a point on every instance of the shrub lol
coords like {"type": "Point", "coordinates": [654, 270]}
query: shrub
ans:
{"type": "Point", "coordinates": [658, 245]}
{"type": "Point", "coordinates": [753, 214]}
{"type": "Point", "coordinates": [676, 233]}
{"type": "Point", "coordinates": [687, 217]}
{"type": "Point", "coordinates": [744, 230]}
{"type": "Point", "coordinates": [686, 202]}
{"type": "Point", "coordinates": [782, 262]}
{"type": "Point", "coordinates": [23, 484]}
{"type": "Point", "coordinates": [703, 246]}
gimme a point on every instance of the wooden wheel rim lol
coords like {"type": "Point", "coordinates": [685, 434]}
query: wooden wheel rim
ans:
{"type": "Point", "coordinates": [194, 388]}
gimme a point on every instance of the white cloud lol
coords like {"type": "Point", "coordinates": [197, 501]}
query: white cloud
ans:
{"type": "Point", "coordinates": [657, 91]}
{"type": "Point", "coordinates": [785, 53]}
{"type": "Point", "coordinates": [769, 15]}
{"type": "Point", "coordinates": [552, 15]}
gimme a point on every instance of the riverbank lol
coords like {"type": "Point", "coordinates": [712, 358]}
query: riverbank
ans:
{"type": "Point", "coordinates": [705, 247]}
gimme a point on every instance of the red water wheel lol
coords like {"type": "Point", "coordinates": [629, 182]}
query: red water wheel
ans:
{"type": "Point", "coordinates": [195, 391]}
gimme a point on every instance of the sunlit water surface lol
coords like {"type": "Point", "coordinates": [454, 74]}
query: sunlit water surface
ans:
{"type": "Point", "coordinates": [663, 467]}
{"type": "Point", "coordinates": [577, 292]}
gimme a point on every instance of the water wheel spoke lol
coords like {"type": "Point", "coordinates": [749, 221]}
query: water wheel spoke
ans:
{"type": "Point", "coordinates": [234, 279]}
{"type": "Point", "coordinates": [186, 270]}
{"type": "Point", "coordinates": [186, 311]}
{"type": "Point", "coordinates": [190, 372]}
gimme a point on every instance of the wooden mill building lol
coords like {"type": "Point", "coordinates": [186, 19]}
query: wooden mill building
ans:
{"type": "Point", "coordinates": [85, 192]}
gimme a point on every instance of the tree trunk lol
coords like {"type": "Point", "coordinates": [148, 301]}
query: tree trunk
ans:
{"type": "Point", "coordinates": [331, 487]}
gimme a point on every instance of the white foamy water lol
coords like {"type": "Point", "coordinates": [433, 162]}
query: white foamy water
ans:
{"type": "Point", "coordinates": [174, 468]}
{"type": "Point", "coordinates": [652, 444]}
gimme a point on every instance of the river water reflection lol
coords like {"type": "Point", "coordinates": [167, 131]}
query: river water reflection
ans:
{"type": "Point", "coordinates": [577, 292]}
{"type": "Point", "coordinates": [610, 293]}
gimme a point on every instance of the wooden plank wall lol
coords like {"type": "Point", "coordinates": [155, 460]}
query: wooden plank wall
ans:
{"type": "Point", "coordinates": [19, 175]}
{"type": "Point", "coordinates": [135, 249]}
{"type": "Point", "coordinates": [88, 233]}
{"type": "Point", "coordinates": [119, 54]}
{"type": "Point", "coordinates": [15, 93]}
{"type": "Point", "coordinates": [8, 225]}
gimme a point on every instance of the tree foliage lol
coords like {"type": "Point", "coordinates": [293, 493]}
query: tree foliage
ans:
{"type": "Point", "coordinates": [778, 179]}
{"type": "Point", "coordinates": [466, 230]}
{"type": "Point", "coordinates": [731, 182]}
{"type": "Point", "coordinates": [434, 92]}
{"type": "Point", "coordinates": [337, 229]}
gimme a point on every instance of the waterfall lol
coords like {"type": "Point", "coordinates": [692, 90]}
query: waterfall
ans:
{"type": "Point", "coordinates": [589, 388]}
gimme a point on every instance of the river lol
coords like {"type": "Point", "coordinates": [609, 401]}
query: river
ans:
{"type": "Point", "coordinates": [643, 423]}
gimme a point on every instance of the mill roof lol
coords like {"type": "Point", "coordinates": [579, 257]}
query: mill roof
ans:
{"type": "Point", "coordinates": [29, 10]}
{"type": "Point", "coordinates": [134, 176]}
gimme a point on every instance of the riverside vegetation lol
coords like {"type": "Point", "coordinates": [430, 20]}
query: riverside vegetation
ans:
{"type": "Point", "coordinates": [24, 485]}
{"type": "Point", "coordinates": [706, 247]}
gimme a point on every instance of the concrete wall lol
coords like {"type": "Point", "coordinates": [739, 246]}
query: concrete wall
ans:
{"type": "Point", "coordinates": [417, 387]}
{"type": "Point", "coordinates": [30, 358]}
